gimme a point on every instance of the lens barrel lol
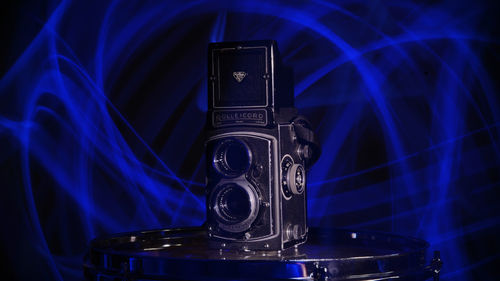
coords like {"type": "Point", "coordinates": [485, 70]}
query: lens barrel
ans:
{"type": "Point", "coordinates": [232, 158]}
{"type": "Point", "coordinates": [233, 204]}
{"type": "Point", "coordinates": [236, 206]}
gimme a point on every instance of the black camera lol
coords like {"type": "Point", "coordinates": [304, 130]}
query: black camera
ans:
{"type": "Point", "coordinates": [258, 149]}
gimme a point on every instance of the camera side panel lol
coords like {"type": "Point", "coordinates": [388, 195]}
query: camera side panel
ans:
{"type": "Point", "coordinates": [293, 188]}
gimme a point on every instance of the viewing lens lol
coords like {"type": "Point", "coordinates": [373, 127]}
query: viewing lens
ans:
{"type": "Point", "coordinates": [232, 158]}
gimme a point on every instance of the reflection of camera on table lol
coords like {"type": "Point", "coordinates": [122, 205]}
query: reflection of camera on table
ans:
{"type": "Point", "coordinates": [258, 150]}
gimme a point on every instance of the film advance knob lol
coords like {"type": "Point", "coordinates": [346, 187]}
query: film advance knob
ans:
{"type": "Point", "coordinates": [296, 179]}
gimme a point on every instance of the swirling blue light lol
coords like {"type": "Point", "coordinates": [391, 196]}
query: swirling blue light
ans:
{"type": "Point", "coordinates": [102, 119]}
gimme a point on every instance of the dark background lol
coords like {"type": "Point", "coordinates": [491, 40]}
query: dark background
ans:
{"type": "Point", "coordinates": [102, 106]}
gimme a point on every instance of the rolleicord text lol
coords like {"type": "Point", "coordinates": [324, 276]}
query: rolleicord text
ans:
{"type": "Point", "coordinates": [237, 116]}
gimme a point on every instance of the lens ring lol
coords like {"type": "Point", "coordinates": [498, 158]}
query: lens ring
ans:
{"type": "Point", "coordinates": [232, 158]}
{"type": "Point", "coordinates": [235, 206]}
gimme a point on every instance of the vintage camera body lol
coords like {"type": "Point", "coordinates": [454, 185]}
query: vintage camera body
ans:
{"type": "Point", "coordinates": [257, 150]}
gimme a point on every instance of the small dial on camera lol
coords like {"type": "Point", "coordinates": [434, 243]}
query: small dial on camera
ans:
{"type": "Point", "coordinates": [293, 177]}
{"type": "Point", "coordinates": [296, 178]}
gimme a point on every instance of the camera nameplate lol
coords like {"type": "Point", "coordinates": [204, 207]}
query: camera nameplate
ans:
{"type": "Point", "coordinates": [239, 117]}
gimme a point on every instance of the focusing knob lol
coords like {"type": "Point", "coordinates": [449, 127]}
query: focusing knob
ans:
{"type": "Point", "coordinates": [296, 179]}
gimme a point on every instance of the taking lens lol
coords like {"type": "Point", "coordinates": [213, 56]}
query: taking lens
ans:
{"type": "Point", "coordinates": [232, 158]}
{"type": "Point", "coordinates": [233, 204]}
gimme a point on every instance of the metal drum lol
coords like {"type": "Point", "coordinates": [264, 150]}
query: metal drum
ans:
{"type": "Point", "coordinates": [329, 254]}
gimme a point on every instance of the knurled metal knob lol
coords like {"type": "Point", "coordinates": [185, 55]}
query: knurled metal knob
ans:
{"type": "Point", "coordinates": [296, 179]}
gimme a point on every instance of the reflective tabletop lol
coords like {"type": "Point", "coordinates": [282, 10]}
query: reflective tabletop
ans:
{"type": "Point", "coordinates": [329, 254]}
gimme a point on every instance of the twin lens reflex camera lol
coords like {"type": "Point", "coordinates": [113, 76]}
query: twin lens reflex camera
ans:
{"type": "Point", "coordinates": [258, 150]}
